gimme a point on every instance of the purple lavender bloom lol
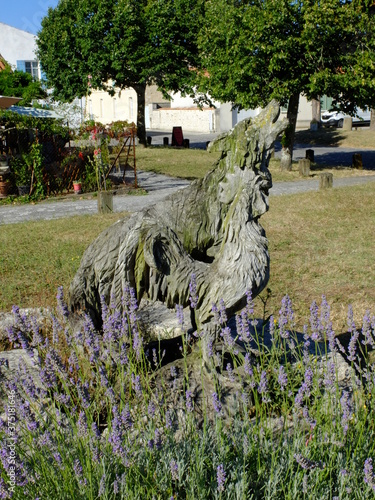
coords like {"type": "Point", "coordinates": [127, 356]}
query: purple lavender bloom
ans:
{"type": "Point", "coordinates": [222, 312]}
{"type": "Point", "coordinates": [136, 383]}
{"type": "Point", "coordinates": [217, 404]}
{"type": "Point", "coordinates": [350, 320]}
{"type": "Point", "coordinates": [58, 459]}
{"type": "Point", "coordinates": [77, 467]}
{"type": "Point", "coordinates": [61, 304]}
{"type": "Point", "coordinates": [263, 386]}
{"type": "Point", "coordinates": [174, 470]}
{"type": "Point", "coordinates": [315, 323]}
{"type": "Point", "coordinates": [92, 340]}
{"type": "Point", "coordinates": [230, 372]}
{"type": "Point", "coordinates": [168, 419]}
{"type": "Point", "coordinates": [282, 378]}
{"type": "Point", "coordinates": [352, 347]}
{"type": "Point", "coordinates": [330, 375]}
{"type": "Point", "coordinates": [369, 478]}
{"type": "Point", "coordinates": [272, 329]}
{"type": "Point", "coordinates": [193, 292]}
{"type": "Point", "coordinates": [83, 393]}
{"type": "Point", "coordinates": [102, 486]}
{"type": "Point", "coordinates": [227, 337]}
{"type": "Point", "coordinates": [286, 316]}
{"type": "Point", "coordinates": [367, 331]}
{"type": "Point", "coordinates": [307, 464]}
{"type": "Point", "coordinates": [82, 424]}
{"type": "Point", "coordinates": [151, 409]}
{"type": "Point", "coordinates": [346, 411]}
{"type": "Point", "coordinates": [189, 401]}
{"type": "Point", "coordinates": [220, 476]}
{"type": "Point", "coordinates": [137, 343]}
{"type": "Point", "coordinates": [116, 435]}
{"type": "Point", "coordinates": [216, 314]}
{"type": "Point", "coordinates": [249, 309]}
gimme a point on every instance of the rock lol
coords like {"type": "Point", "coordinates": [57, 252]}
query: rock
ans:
{"type": "Point", "coordinates": [210, 230]}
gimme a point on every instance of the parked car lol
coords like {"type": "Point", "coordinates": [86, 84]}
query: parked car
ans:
{"type": "Point", "coordinates": [336, 118]}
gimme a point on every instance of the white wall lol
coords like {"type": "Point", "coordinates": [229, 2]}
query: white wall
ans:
{"type": "Point", "coordinates": [104, 108]}
{"type": "Point", "coordinates": [16, 44]}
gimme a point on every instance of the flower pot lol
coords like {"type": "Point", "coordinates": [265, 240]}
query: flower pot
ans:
{"type": "Point", "coordinates": [4, 188]}
{"type": "Point", "coordinates": [77, 186]}
{"type": "Point", "coordinates": [23, 190]}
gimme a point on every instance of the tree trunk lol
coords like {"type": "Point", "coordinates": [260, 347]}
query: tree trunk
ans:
{"type": "Point", "coordinates": [315, 112]}
{"type": "Point", "coordinates": [141, 120]}
{"type": "Point", "coordinates": [288, 137]}
{"type": "Point", "coordinates": [372, 122]}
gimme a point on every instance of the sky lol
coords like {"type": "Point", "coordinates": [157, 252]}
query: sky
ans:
{"type": "Point", "coordinates": [25, 14]}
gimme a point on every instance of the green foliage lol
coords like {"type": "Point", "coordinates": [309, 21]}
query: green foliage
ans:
{"type": "Point", "coordinates": [120, 43]}
{"type": "Point", "coordinates": [47, 126]}
{"type": "Point", "coordinates": [20, 84]}
{"type": "Point", "coordinates": [256, 51]}
{"type": "Point", "coordinates": [21, 170]}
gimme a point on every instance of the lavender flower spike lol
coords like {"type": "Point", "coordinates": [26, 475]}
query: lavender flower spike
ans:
{"type": "Point", "coordinates": [221, 476]}
{"type": "Point", "coordinates": [369, 474]}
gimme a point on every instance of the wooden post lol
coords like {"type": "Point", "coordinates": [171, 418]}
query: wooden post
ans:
{"type": "Point", "coordinates": [105, 202]}
{"type": "Point", "coordinates": [149, 140]}
{"type": "Point", "coordinates": [186, 143]}
{"type": "Point", "coordinates": [357, 161]}
{"type": "Point", "coordinates": [310, 155]}
{"type": "Point", "coordinates": [304, 167]}
{"type": "Point", "coordinates": [326, 180]}
{"type": "Point", "coordinates": [165, 141]}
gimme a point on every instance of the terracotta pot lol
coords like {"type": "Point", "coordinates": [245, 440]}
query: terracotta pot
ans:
{"type": "Point", "coordinates": [4, 188]}
{"type": "Point", "coordinates": [77, 186]}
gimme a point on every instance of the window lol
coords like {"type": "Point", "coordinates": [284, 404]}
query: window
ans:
{"type": "Point", "coordinates": [31, 67]}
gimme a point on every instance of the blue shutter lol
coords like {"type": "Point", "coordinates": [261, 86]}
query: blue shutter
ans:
{"type": "Point", "coordinates": [21, 66]}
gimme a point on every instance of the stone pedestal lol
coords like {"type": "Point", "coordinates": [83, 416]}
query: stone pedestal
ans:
{"type": "Point", "coordinates": [304, 167]}
{"type": "Point", "coordinates": [326, 180]}
{"type": "Point", "coordinates": [347, 124]}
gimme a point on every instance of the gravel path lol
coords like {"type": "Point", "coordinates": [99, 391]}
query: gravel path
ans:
{"type": "Point", "coordinates": [159, 186]}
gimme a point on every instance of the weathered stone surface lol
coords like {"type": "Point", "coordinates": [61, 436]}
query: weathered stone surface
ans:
{"type": "Point", "coordinates": [210, 229]}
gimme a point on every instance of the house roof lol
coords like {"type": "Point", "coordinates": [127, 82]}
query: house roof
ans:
{"type": "Point", "coordinates": [7, 102]}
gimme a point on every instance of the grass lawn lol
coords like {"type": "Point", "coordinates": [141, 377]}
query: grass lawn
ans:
{"type": "Point", "coordinates": [37, 257]}
{"type": "Point", "coordinates": [319, 243]}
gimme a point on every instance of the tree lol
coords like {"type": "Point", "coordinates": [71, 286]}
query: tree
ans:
{"type": "Point", "coordinates": [20, 84]}
{"type": "Point", "coordinates": [257, 50]}
{"type": "Point", "coordinates": [122, 43]}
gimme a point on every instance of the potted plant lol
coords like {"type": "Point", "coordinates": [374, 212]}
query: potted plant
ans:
{"type": "Point", "coordinates": [22, 175]}
{"type": "Point", "coordinates": [77, 186]}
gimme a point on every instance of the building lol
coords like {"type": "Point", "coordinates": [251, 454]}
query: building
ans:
{"type": "Point", "coordinates": [18, 48]}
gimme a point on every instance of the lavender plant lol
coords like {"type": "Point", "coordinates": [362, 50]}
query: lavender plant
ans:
{"type": "Point", "coordinates": [272, 413]}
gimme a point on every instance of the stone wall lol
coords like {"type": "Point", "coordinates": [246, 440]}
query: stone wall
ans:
{"type": "Point", "coordinates": [190, 119]}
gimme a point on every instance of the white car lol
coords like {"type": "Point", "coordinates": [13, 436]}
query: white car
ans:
{"type": "Point", "coordinates": [336, 118]}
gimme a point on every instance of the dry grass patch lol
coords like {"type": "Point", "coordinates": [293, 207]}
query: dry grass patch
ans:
{"type": "Point", "coordinates": [186, 163]}
{"type": "Point", "coordinates": [322, 243]}
{"type": "Point", "coordinates": [360, 137]}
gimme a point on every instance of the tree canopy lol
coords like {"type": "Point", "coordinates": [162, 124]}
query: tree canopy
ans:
{"type": "Point", "coordinates": [20, 84]}
{"type": "Point", "coordinates": [120, 43]}
{"type": "Point", "coordinates": [257, 50]}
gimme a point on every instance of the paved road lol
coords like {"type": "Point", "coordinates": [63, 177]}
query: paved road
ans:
{"type": "Point", "coordinates": [159, 186]}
